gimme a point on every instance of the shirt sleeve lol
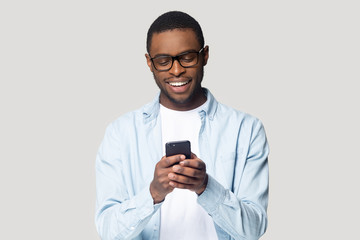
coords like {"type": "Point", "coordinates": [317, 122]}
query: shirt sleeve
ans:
{"type": "Point", "coordinates": [118, 215]}
{"type": "Point", "coordinates": [242, 212]}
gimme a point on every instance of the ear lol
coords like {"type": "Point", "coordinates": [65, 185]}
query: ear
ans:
{"type": "Point", "coordinates": [206, 54]}
{"type": "Point", "coordinates": [148, 61]}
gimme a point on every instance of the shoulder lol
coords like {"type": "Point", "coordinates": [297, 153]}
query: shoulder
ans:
{"type": "Point", "coordinates": [224, 113]}
{"type": "Point", "coordinates": [137, 118]}
{"type": "Point", "coordinates": [127, 120]}
{"type": "Point", "coordinates": [230, 114]}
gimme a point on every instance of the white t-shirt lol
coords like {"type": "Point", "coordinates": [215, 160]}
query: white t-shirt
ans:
{"type": "Point", "coordinates": [181, 216]}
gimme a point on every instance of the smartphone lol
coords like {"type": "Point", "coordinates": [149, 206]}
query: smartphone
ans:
{"type": "Point", "coordinates": [178, 147]}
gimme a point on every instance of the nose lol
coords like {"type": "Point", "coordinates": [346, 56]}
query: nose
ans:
{"type": "Point", "coordinates": [176, 68]}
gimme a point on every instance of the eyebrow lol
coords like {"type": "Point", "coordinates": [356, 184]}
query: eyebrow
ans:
{"type": "Point", "coordinates": [167, 55]}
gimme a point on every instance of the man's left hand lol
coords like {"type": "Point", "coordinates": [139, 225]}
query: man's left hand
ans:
{"type": "Point", "coordinates": [189, 174]}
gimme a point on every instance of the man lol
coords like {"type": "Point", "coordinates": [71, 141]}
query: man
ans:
{"type": "Point", "coordinates": [221, 192]}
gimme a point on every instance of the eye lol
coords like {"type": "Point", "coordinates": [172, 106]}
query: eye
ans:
{"type": "Point", "coordinates": [189, 57]}
{"type": "Point", "coordinates": [163, 61]}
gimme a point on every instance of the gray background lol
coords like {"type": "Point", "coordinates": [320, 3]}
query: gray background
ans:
{"type": "Point", "coordinates": [69, 68]}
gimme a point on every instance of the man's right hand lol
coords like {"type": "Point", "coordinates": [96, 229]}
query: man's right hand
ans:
{"type": "Point", "coordinates": [160, 186]}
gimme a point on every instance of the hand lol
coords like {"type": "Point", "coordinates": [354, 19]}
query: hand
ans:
{"type": "Point", "coordinates": [160, 186]}
{"type": "Point", "coordinates": [189, 174]}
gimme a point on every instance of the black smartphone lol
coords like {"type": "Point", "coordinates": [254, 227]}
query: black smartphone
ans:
{"type": "Point", "coordinates": [178, 147]}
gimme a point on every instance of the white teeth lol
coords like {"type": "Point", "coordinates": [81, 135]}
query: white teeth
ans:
{"type": "Point", "coordinates": [178, 84]}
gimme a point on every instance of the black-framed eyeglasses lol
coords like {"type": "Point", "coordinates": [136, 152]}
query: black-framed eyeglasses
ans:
{"type": "Point", "coordinates": [164, 63]}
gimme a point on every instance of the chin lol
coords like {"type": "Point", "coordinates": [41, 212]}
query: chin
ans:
{"type": "Point", "coordinates": [180, 100]}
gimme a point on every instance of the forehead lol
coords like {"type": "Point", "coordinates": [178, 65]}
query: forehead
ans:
{"type": "Point", "coordinates": [173, 42]}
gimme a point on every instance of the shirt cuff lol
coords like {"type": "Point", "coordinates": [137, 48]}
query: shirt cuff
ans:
{"type": "Point", "coordinates": [145, 203]}
{"type": "Point", "coordinates": [212, 196]}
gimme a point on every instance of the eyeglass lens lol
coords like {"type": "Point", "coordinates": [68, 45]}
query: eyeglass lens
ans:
{"type": "Point", "coordinates": [185, 60]}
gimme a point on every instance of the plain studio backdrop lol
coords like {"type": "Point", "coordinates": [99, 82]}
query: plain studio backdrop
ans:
{"type": "Point", "coordinates": [69, 68]}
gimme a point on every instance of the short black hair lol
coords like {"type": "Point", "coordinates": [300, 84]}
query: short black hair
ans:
{"type": "Point", "coordinates": [174, 20]}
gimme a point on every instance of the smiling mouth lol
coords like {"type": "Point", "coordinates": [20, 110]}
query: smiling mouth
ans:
{"type": "Point", "coordinates": [178, 84]}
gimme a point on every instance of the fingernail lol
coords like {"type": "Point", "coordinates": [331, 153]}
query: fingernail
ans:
{"type": "Point", "coordinates": [176, 168]}
{"type": "Point", "coordinates": [172, 176]}
{"type": "Point", "coordinates": [182, 157]}
{"type": "Point", "coordinates": [172, 184]}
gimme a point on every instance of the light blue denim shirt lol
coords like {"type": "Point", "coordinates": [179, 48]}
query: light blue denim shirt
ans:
{"type": "Point", "coordinates": [232, 144]}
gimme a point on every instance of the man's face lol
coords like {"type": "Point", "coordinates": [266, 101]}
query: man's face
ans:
{"type": "Point", "coordinates": [180, 87]}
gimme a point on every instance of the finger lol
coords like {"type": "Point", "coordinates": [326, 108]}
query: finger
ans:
{"type": "Point", "coordinates": [188, 171]}
{"type": "Point", "coordinates": [183, 179]}
{"type": "Point", "coordinates": [193, 163]}
{"type": "Point", "coordinates": [193, 155]}
{"type": "Point", "coordinates": [181, 185]}
{"type": "Point", "coordinates": [166, 162]}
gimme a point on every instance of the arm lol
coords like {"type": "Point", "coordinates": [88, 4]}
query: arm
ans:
{"type": "Point", "coordinates": [118, 215]}
{"type": "Point", "coordinates": [242, 213]}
